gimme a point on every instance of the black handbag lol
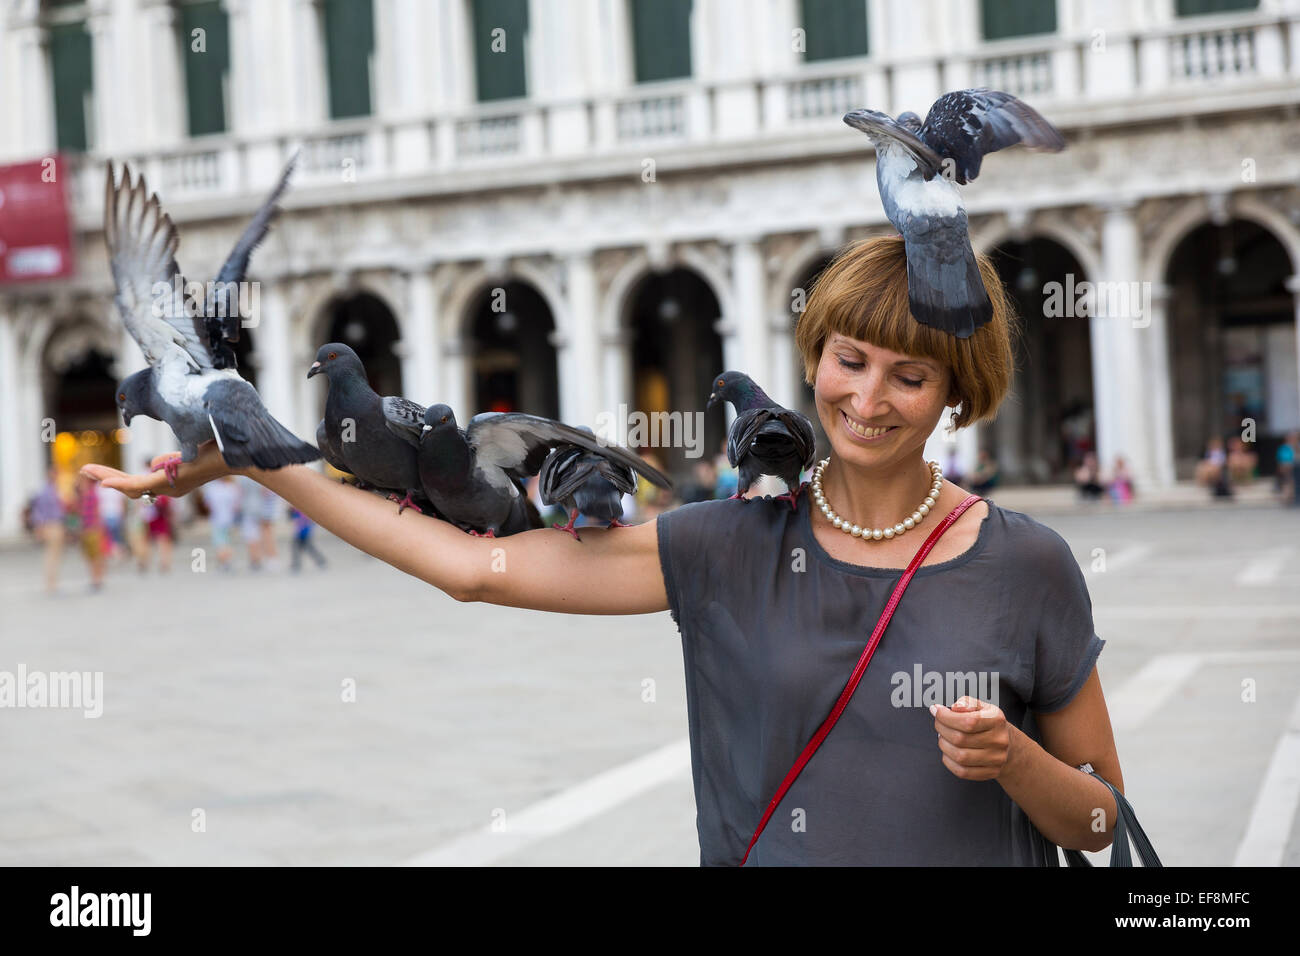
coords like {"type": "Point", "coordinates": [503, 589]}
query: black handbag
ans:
{"type": "Point", "coordinates": [1126, 827]}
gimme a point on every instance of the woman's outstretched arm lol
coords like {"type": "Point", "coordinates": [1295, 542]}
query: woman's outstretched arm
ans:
{"type": "Point", "coordinates": [614, 571]}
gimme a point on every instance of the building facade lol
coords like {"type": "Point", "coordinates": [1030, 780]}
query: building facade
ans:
{"type": "Point", "coordinates": [577, 207]}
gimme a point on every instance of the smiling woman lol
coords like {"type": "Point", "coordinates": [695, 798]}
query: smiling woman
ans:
{"type": "Point", "coordinates": [774, 607]}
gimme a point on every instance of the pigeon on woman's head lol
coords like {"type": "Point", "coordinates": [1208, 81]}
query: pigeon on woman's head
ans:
{"type": "Point", "coordinates": [917, 167]}
{"type": "Point", "coordinates": [765, 438]}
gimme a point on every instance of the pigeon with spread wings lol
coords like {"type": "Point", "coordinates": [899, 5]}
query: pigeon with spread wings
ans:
{"type": "Point", "coordinates": [191, 383]}
{"type": "Point", "coordinates": [918, 168]}
{"type": "Point", "coordinates": [474, 476]}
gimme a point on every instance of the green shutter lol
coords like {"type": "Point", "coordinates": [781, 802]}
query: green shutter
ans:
{"type": "Point", "coordinates": [501, 74]}
{"type": "Point", "coordinates": [834, 29]}
{"type": "Point", "coordinates": [1003, 19]}
{"type": "Point", "coordinates": [661, 31]}
{"type": "Point", "coordinates": [205, 72]}
{"type": "Point", "coordinates": [73, 72]}
{"type": "Point", "coordinates": [1195, 8]}
{"type": "Point", "coordinates": [349, 42]}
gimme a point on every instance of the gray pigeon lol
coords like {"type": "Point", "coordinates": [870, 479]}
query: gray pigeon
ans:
{"type": "Point", "coordinates": [765, 438]}
{"type": "Point", "coordinates": [475, 476]}
{"type": "Point", "coordinates": [355, 436]}
{"type": "Point", "coordinates": [191, 383]}
{"type": "Point", "coordinates": [917, 169]}
{"type": "Point", "coordinates": [590, 482]}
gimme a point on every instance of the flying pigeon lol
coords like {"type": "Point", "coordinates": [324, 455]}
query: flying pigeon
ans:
{"type": "Point", "coordinates": [475, 476]}
{"type": "Point", "coordinates": [765, 438]}
{"type": "Point", "coordinates": [918, 167]}
{"type": "Point", "coordinates": [191, 383]}
{"type": "Point", "coordinates": [589, 482]}
{"type": "Point", "coordinates": [355, 436]}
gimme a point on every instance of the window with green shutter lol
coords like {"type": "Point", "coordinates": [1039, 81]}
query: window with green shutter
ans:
{"type": "Point", "coordinates": [834, 29]}
{"type": "Point", "coordinates": [349, 44]}
{"type": "Point", "coordinates": [1003, 19]}
{"type": "Point", "coordinates": [500, 30]}
{"type": "Point", "coordinates": [71, 68]}
{"type": "Point", "coordinates": [205, 51]}
{"type": "Point", "coordinates": [1196, 8]}
{"type": "Point", "coordinates": [661, 39]}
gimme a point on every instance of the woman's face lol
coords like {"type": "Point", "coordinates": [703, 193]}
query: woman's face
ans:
{"type": "Point", "coordinates": [862, 387]}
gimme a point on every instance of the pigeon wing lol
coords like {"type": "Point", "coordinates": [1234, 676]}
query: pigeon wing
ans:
{"type": "Point", "coordinates": [801, 433]}
{"type": "Point", "coordinates": [142, 241]}
{"type": "Point", "coordinates": [221, 310]}
{"type": "Point", "coordinates": [965, 125]}
{"type": "Point", "coordinates": [328, 450]}
{"type": "Point", "coordinates": [404, 418]}
{"type": "Point", "coordinates": [518, 443]}
{"type": "Point", "coordinates": [877, 124]}
{"type": "Point", "coordinates": [743, 431]}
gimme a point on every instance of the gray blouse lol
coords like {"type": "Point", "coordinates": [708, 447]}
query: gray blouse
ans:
{"type": "Point", "coordinates": [771, 628]}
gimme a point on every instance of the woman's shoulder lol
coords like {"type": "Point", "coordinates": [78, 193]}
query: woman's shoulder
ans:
{"type": "Point", "coordinates": [727, 520]}
{"type": "Point", "coordinates": [1039, 547]}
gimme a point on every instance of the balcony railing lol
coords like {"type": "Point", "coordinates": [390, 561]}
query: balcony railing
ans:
{"type": "Point", "coordinates": [1064, 76]}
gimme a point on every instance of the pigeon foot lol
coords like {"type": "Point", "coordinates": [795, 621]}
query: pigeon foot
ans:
{"type": "Point", "coordinates": [404, 503]}
{"type": "Point", "coordinates": [490, 533]}
{"type": "Point", "coordinates": [792, 497]}
{"type": "Point", "coordinates": [170, 468]}
{"type": "Point", "coordinates": [617, 524]}
{"type": "Point", "coordinates": [569, 527]}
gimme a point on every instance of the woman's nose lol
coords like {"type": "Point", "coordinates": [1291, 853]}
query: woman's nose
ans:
{"type": "Point", "coordinates": [869, 400]}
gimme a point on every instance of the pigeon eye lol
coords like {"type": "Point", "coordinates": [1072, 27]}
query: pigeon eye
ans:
{"type": "Point", "coordinates": [721, 383]}
{"type": "Point", "coordinates": [332, 355]}
{"type": "Point", "coordinates": [443, 420]}
{"type": "Point", "coordinates": [121, 396]}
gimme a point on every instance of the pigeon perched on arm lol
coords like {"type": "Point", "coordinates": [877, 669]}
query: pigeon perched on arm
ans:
{"type": "Point", "coordinates": [591, 482]}
{"type": "Point", "coordinates": [355, 431]}
{"type": "Point", "coordinates": [917, 168]}
{"type": "Point", "coordinates": [765, 438]}
{"type": "Point", "coordinates": [475, 476]}
{"type": "Point", "coordinates": [188, 385]}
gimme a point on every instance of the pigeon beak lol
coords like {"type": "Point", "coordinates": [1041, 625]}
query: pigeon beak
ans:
{"type": "Point", "coordinates": [713, 399]}
{"type": "Point", "coordinates": [126, 419]}
{"type": "Point", "coordinates": [426, 429]}
{"type": "Point", "coordinates": [315, 367]}
{"type": "Point", "coordinates": [860, 120]}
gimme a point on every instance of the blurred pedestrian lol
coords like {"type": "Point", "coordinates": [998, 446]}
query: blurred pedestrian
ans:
{"type": "Point", "coordinates": [728, 479]}
{"type": "Point", "coordinates": [302, 529]}
{"type": "Point", "coordinates": [1087, 478]}
{"type": "Point", "coordinates": [90, 529]}
{"type": "Point", "coordinates": [985, 476]}
{"type": "Point", "coordinates": [1212, 470]}
{"type": "Point", "coordinates": [952, 469]}
{"type": "Point", "coordinates": [1284, 475]}
{"type": "Point", "coordinates": [159, 517]}
{"type": "Point", "coordinates": [112, 509]}
{"type": "Point", "coordinates": [1121, 482]}
{"type": "Point", "coordinates": [47, 517]}
{"type": "Point", "coordinates": [250, 519]}
{"type": "Point", "coordinates": [221, 497]}
{"type": "Point", "coordinates": [1242, 462]}
{"type": "Point", "coordinates": [703, 480]}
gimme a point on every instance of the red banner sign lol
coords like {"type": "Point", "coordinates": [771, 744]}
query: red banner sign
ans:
{"type": "Point", "coordinates": [35, 222]}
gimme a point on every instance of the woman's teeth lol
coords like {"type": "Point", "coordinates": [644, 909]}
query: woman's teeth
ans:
{"type": "Point", "coordinates": [865, 432]}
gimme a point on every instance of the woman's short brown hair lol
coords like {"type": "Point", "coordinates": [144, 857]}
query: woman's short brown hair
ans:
{"type": "Point", "coordinates": [863, 294]}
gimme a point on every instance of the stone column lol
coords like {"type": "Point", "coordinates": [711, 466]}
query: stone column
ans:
{"type": "Point", "coordinates": [272, 325]}
{"type": "Point", "coordinates": [1293, 286]}
{"type": "Point", "coordinates": [458, 390]}
{"type": "Point", "coordinates": [12, 490]}
{"type": "Point", "coordinates": [162, 76]}
{"type": "Point", "coordinates": [1123, 411]}
{"type": "Point", "coordinates": [579, 359]}
{"type": "Point", "coordinates": [420, 377]}
{"type": "Point", "coordinates": [617, 361]}
{"type": "Point", "coordinates": [1160, 388]}
{"type": "Point", "coordinates": [751, 334]}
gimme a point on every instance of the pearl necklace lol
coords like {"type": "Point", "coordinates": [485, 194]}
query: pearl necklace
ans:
{"type": "Point", "coordinates": [875, 534]}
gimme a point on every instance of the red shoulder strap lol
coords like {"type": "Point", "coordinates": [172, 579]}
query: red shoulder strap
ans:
{"type": "Point", "coordinates": [860, 669]}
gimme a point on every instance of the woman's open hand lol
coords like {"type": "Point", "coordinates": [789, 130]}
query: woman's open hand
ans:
{"type": "Point", "coordinates": [190, 475]}
{"type": "Point", "coordinates": [974, 737]}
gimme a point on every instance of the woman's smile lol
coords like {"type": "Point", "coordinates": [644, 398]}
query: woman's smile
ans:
{"type": "Point", "coordinates": [863, 433]}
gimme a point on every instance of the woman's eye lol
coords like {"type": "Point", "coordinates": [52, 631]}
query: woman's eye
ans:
{"type": "Point", "coordinates": [911, 382]}
{"type": "Point", "coordinates": [852, 365]}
